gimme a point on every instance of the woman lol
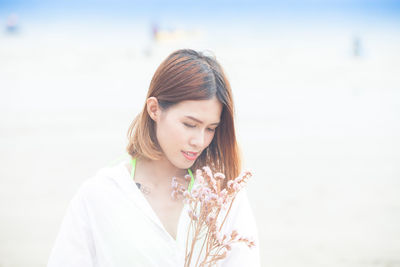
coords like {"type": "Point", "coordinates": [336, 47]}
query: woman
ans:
{"type": "Point", "coordinates": [125, 216]}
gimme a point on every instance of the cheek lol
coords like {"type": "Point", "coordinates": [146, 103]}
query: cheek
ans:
{"type": "Point", "coordinates": [171, 133]}
{"type": "Point", "coordinates": [209, 138]}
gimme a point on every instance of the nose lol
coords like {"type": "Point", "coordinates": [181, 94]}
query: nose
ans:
{"type": "Point", "coordinates": [197, 140]}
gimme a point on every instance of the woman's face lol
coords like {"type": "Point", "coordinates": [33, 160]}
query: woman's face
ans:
{"type": "Point", "coordinates": [186, 129]}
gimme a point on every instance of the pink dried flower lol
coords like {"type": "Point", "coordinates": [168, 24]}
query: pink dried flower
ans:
{"type": "Point", "coordinates": [174, 183]}
{"type": "Point", "coordinates": [225, 236]}
{"type": "Point", "coordinates": [174, 195]}
{"type": "Point", "coordinates": [218, 237]}
{"type": "Point", "coordinates": [213, 197]}
{"type": "Point", "coordinates": [188, 177]}
{"type": "Point", "coordinates": [219, 175]}
{"type": "Point", "coordinates": [251, 244]}
{"type": "Point", "coordinates": [192, 215]}
{"type": "Point", "coordinates": [222, 256]}
{"type": "Point", "coordinates": [200, 179]}
{"type": "Point", "coordinates": [233, 186]}
{"type": "Point", "coordinates": [234, 234]}
{"type": "Point", "coordinates": [210, 219]}
{"type": "Point", "coordinates": [206, 200]}
{"type": "Point", "coordinates": [223, 193]}
{"type": "Point", "coordinates": [186, 194]}
{"type": "Point", "coordinates": [236, 187]}
{"type": "Point", "coordinates": [208, 172]}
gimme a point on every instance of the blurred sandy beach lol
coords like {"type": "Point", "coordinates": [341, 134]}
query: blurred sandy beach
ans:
{"type": "Point", "coordinates": [318, 124]}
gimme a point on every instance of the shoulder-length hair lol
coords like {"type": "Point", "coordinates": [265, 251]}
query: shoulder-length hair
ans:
{"type": "Point", "coordinates": [190, 75]}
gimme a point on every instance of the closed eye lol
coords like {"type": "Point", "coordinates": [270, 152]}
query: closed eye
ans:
{"type": "Point", "coordinates": [189, 125]}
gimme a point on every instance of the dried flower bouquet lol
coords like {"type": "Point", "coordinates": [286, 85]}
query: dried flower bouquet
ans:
{"type": "Point", "coordinates": [209, 207]}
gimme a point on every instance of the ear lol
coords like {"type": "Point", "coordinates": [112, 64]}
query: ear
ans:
{"type": "Point", "coordinates": [153, 109]}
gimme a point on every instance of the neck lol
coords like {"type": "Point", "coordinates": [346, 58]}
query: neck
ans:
{"type": "Point", "coordinates": [157, 173]}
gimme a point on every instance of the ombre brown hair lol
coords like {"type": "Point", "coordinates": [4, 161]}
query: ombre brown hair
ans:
{"type": "Point", "coordinates": [190, 75]}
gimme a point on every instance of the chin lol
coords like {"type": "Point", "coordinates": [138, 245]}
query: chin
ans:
{"type": "Point", "coordinates": [186, 166]}
{"type": "Point", "coordinates": [180, 164]}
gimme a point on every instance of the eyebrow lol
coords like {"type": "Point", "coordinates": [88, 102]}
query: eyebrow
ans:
{"type": "Point", "coordinates": [199, 121]}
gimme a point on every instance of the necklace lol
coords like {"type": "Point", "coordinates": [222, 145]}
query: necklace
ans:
{"type": "Point", "coordinates": [146, 190]}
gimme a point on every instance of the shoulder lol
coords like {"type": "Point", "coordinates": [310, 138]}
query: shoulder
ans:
{"type": "Point", "coordinates": [241, 216]}
{"type": "Point", "coordinates": [241, 205]}
{"type": "Point", "coordinates": [105, 181]}
{"type": "Point", "coordinates": [241, 219]}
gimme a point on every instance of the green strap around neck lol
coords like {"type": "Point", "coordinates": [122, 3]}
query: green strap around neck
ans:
{"type": "Point", "coordinates": [133, 163]}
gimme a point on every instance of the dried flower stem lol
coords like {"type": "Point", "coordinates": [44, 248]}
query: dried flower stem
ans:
{"type": "Point", "coordinates": [187, 239]}
{"type": "Point", "coordinates": [226, 215]}
{"type": "Point", "coordinates": [216, 254]}
{"type": "Point", "coordinates": [202, 246]}
{"type": "Point", "coordinates": [198, 228]}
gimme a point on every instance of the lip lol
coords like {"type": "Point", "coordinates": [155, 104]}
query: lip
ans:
{"type": "Point", "coordinates": [190, 157]}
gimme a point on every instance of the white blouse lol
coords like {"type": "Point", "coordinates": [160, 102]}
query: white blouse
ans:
{"type": "Point", "coordinates": [109, 223]}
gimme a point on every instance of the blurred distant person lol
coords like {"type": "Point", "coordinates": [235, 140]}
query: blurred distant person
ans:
{"type": "Point", "coordinates": [154, 31]}
{"type": "Point", "coordinates": [356, 46]}
{"type": "Point", "coordinates": [12, 23]}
